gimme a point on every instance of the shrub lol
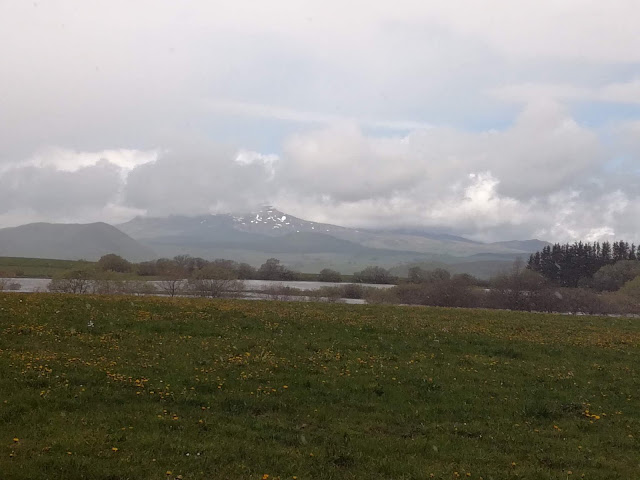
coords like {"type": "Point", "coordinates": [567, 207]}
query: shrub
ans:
{"type": "Point", "coordinates": [613, 277]}
{"type": "Point", "coordinates": [381, 296]}
{"type": "Point", "coordinates": [328, 275]}
{"type": "Point", "coordinates": [281, 292]}
{"type": "Point", "coordinates": [377, 275]}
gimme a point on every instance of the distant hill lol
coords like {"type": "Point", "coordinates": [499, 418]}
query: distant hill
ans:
{"type": "Point", "coordinates": [530, 246]}
{"type": "Point", "coordinates": [71, 242]}
{"type": "Point", "coordinates": [310, 246]}
{"type": "Point", "coordinates": [428, 234]}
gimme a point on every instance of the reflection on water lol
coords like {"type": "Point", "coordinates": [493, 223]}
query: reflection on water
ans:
{"type": "Point", "coordinates": [251, 290]}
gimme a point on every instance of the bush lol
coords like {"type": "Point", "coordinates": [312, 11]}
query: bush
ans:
{"type": "Point", "coordinates": [376, 275]}
{"type": "Point", "coordinates": [381, 296]}
{"type": "Point", "coordinates": [331, 294]}
{"type": "Point", "coordinates": [581, 300]}
{"type": "Point", "coordinates": [353, 291]}
{"type": "Point", "coordinates": [443, 293]}
{"type": "Point", "coordinates": [281, 292]}
{"type": "Point", "coordinates": [328, 275]}
{"type": "Point", "coordinates": [612, 277]}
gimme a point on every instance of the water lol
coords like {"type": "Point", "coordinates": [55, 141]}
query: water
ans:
{"type": "Point", "coordinates": [42, 284]}
{"type": "Point", "coordinates": [263, 284]}
{"type": "Point", "coordinates": [30, 284]}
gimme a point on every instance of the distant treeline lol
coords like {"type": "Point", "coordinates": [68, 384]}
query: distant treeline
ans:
{"type": "Point", "coordinates": [573, 265]}
{"type": "Point", "coordinates": [186, 266]}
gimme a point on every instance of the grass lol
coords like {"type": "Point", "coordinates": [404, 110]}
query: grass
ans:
{"type": "Point", "coordinates": [151, 388]}
{"type": "Point", "coordinates": [38, 267]}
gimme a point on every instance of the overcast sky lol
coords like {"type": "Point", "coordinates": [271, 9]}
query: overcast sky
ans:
{"type": "Point", "coordinates": [497, 120]}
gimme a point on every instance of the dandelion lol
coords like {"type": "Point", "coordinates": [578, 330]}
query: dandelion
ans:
{"type": "Point", "coordinates": [265, 476]}
{"type": "Point", "coordinates": [16, 439]}
{"type": "Point", "coordinates": [114, 449]}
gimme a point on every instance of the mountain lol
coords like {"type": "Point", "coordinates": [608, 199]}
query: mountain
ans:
{"type": "Point", "coordinates": [70, 242]}
{"type": "Point", "coordinates": [254, 229]}
{"type": "Point", "coordinates": [429, 234]}
{"type": "Point", "coordinates": [530, 246]}
{"type": "Point", "coordinates": [310, 246]}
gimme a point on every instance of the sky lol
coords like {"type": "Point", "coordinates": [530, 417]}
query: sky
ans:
{"type": "Point", "coordinates": [494, 120]}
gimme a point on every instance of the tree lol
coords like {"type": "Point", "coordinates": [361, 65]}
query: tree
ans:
{"type": "Point", "coordinates": [417, 274]}
{"type": "Point", "coordinates": [114, 263]}
{"type": "Point", "coordinates": [214, 280]}
{"type": "Point", "coordinates": [246, 271]}
{"type": "Point", "coordinates": [631, 291]}
{"type": "Point", "coordinates": [172, 281]}
{"type": "Point", "coordinates": [517, 289]}
{"type": "Point", "coordinates": [73, 281]}
{"type": "Point", "coordinates": [572, 265]}
{"type": "Point", "coordinates": [374, 275]}
{"type": "Point", "coordinates": [147, 269]}
{"type": "Point", "coordinates": [328, 275]}
{"type": "Point", "coordinates": [613, 277]}
{"type": "Point", "coordinates": [272, 270]}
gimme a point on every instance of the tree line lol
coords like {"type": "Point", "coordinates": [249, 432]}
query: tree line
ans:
{"type": "Point", "coordinates": [186, 266]}
{"type": "Point", "coordinates": [574, 265]}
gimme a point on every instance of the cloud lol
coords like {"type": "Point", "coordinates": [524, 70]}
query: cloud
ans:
{"type": "Point", "coordinates": [438, 114]}
{"type": "Point", "coordinates": [544, 150]}
{"type": "Point", "coordinates": [48, 190]}
{"type": "Point", "coordinates": [276, 112]}
{"type": "Point", "coordinates": [546, 175]}
{"type": "Point", "coordinates": [619, 92]}
{"type": "Point", "coordinates": [198, 179]}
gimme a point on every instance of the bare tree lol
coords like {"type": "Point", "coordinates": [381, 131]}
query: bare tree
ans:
{"type": "Point", "coordinates": [172, 284]}
{"type": "Point", "coordinates": [214, 280]}
{"type": "Point", "coordinates": [75, 281]}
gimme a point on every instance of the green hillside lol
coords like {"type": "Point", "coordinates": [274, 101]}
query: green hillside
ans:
{"type": "Point", "coordinates": [37, 267]}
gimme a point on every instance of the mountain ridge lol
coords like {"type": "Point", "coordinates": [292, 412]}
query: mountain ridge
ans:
{"type": "Point", "coordinates": [254, 236]}
{"type": "Point", "coordinates": [70, 241]}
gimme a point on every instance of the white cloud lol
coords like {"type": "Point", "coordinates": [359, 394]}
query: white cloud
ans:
{"type": "Point", "coordinates": [620, 92]}
{"type": "Point", "coordinates": [66, 160]}
{"type": "Point", "coordinates": [376, 116]}
{"type": "Point", "coordinates": [276, 112]}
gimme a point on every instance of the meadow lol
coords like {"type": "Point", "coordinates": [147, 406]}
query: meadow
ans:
{"type": "Point", "coordinates": [38, 267]}
{"type": "Point", "coordinates": [98, 387]}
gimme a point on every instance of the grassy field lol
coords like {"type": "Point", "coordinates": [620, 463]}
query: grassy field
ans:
{"type": "Point", "coordinates": [38, 267]}
{"type": "Point", "coordinates": [150, 388]}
